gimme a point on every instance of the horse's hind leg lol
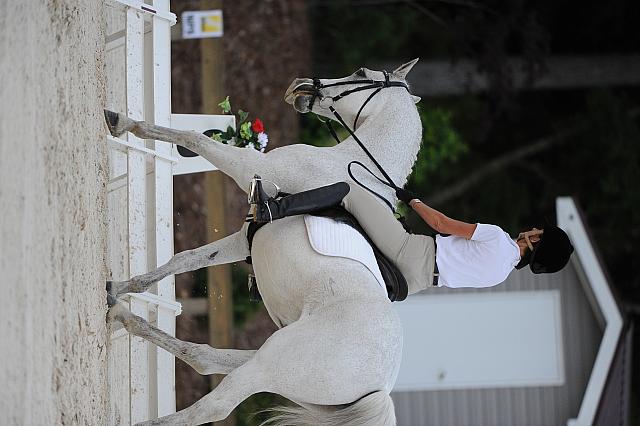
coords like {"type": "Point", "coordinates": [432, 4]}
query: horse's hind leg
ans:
{"type": "Point", "coordinates": [202, 358]}
{"type": "Point", "coordinates": [243, 380]}
{"type": "Point", "coordinates": [263, 372]}
{"type": "Point", "coordinates": [232, 248]}
{"type": "Point", "coordinates": [239, 163]}
{"type": "Point", "coordinates": [237, 386]}
{"type": "Point", "coordinates": [298, 362]}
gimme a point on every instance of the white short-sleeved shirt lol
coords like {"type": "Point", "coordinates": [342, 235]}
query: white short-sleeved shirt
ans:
{"type": "Point", "coordinates": [483, 261]}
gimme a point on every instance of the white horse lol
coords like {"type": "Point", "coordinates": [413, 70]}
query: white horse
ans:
{"type": "Point", "coordinates": [338, 349]}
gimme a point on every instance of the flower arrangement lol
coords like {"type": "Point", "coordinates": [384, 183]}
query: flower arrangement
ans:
{"type": "Point", "coordinates": [246, 134]}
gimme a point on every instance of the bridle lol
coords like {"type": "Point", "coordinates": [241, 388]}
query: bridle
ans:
{"type": "Point", "coordinates": [368, 85]}
{"type": "Point", "coordinates": [365, 84]}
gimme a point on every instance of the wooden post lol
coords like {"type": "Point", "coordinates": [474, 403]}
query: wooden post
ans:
{"type": "Point", "coordinates": [219, 277]}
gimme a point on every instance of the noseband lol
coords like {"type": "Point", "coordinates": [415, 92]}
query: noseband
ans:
{"type": "Point", "coordinates": [367, 84]}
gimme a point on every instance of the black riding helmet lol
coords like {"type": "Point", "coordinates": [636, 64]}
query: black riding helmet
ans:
{"type": "Point", "coordinates": [550, 254]}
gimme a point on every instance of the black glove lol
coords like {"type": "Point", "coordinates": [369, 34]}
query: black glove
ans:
{"type": "Point", "coordinates": [405, 196]}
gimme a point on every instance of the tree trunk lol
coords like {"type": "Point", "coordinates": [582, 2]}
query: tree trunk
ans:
{"type": "Point", "coordinates": [444, 78]}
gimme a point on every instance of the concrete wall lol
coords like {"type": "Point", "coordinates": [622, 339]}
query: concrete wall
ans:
{"type": "Point", "coordinates": [53, 337]}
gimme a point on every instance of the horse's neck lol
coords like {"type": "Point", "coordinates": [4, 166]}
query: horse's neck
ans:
{"type": "Point", "coordinates": [392, 136]}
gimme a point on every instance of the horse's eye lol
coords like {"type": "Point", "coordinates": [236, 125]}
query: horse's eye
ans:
{"type": "Point", "coordinates": [361, 73]}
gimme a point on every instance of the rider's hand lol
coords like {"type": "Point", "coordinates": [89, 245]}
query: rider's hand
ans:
{"type": "Point", "coordinates": [405, 196]}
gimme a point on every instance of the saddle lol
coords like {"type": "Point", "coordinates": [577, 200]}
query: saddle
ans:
{"type": "Point", "coordinates": [395, 282]}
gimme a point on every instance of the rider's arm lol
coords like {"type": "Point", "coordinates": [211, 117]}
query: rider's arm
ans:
{"type": "Point", "coordinates": [441, 222]}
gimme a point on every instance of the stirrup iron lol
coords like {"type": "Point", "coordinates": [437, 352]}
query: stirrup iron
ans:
{"type": "Point", "coordinates": [253, 198]}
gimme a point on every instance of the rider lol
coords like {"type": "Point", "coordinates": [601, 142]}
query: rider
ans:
{"type": "Point", "coordinates": [472, 255]}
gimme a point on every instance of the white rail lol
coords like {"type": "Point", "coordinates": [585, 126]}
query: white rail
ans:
{"type": "Point", "coordinates": [124, 146]}
{"type": "Point", "coordinates": [161, 104]}
{"type": "Point", "coordinates": [159, 11]}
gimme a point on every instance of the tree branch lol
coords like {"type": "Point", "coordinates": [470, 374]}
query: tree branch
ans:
{"type": "Point", "coordinates": [435, 18]}
{"type": "Point", "coordinates": [497, 164]}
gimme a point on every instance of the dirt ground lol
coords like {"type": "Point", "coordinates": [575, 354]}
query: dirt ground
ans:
{"type": "Point", "coordinates": [52, 190]}
{"type": "Point", "coordinates": [267, 45]}
{"type": "Point", "coordinates": [52, 230]}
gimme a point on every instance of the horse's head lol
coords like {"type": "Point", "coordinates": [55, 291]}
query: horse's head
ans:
{"type": "Point", "coordinates": [354, 97]}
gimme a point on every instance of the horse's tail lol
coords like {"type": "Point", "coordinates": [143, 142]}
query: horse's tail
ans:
{"type": "Point", "coordinates": [375, 409]}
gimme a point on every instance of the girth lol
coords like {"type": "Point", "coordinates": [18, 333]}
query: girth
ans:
{"type": "Point", "coordinates": [395, 282]}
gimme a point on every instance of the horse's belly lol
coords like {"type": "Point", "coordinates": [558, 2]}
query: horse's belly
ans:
{"type": "Point", "coordinates": [290, 274]}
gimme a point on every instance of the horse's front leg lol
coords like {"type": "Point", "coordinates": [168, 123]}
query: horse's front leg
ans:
{"type": "Point", "coordinates": [202, 358]}
{"type": "Point", "coordinates": [232, 248]}
{"type": "Point", "coordinates": [241, 164]}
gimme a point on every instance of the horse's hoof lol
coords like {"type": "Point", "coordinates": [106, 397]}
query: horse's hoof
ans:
{"type": "Point", "coordinates": [116, 312]}
{"type": "Point", "coordinates": [112, 120]}
{"type": "Point", "coordinates": [111, 300]}
{"type": "Point", "coordinates": [111, 297]}
{"type": "Point", "coordinates": [111, 289]}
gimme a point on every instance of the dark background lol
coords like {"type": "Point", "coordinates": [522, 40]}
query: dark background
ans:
{"type": "Point", "coordinates": [500, 155]}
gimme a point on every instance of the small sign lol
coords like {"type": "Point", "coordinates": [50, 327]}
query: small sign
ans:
{"type": "Point", "coordinates": [202, 24]}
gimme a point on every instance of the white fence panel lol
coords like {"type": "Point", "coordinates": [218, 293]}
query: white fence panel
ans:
{"type": "Point", "coordinates": [136, 203]}
{"type": "Point", "coordinates": [140, 205]}
{"type": "Point", "coordinates": [198, 123]}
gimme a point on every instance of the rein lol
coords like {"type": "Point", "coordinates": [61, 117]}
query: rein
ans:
{"type": "Point", "coordinates": [368, 84]}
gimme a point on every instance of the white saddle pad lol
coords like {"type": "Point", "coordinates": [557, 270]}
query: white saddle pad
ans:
{"type": "Point", "coordinates": [332, 238]}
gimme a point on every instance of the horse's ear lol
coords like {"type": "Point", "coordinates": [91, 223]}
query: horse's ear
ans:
{"type": "Point", "coordinates": [404, 69]}
{"type": "Point", "coordinates": [416, 99]}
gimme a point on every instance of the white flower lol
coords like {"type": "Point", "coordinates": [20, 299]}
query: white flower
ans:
{"type": "Point", "coordinates": [263, 140]}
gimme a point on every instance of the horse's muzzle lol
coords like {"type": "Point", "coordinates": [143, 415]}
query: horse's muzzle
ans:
{"type": "Point", "coordinates": [299, 94]}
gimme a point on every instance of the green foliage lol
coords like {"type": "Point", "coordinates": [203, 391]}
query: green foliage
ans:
{"type": "Point", "coordinates": [243, 308]}
{"type": "Point", "coordinates": [200, 287]}
{"type": "Point", "coordinates": [225, 106]}
{"type": "Point", "coordinates": [251, 411]}
{"type": "Point", "coordinates": [246, 135]}
{"type": "Point", "coordinates": [603, 167]}
{"type": "Point", "coordinates": [363, 33]}
{"type": "Point", "coordinates": [314, 132]}
{"type": "Point", "coordinates": [230, 133]}
{"type": "Point", "coordinates": [242, 116]}
{"type": "Point", "coordinates": [245, 130]}
{"type": "Point", "coordinates": [441, 145]}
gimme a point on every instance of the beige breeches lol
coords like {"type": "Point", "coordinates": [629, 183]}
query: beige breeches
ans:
{"type": "Point", "coordinates": [413, 254]}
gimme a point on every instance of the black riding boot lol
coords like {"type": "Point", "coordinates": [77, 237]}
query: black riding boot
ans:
{"type": "Point", "coordinates": [269, 209]}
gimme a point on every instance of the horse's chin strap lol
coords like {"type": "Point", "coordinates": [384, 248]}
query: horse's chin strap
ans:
{"type": "Point", "coordinates": [367, 85]}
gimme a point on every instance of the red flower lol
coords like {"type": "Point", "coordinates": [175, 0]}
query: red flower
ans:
{"type": "Point", "coordinates": [257, 126]}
